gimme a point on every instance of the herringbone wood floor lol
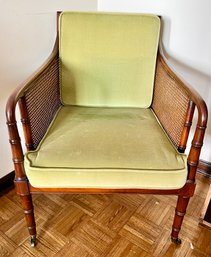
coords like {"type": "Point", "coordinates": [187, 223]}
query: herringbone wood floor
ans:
{"type": "Point", "coordinates": [103, 225]}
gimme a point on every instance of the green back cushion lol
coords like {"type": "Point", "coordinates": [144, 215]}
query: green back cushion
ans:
{"type": "Point", "coordinates": [108, 59]}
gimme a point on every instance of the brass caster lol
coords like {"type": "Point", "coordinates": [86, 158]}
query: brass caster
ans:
{"type": "Point", "coordinates": [176, 241]}
{"type": "Point", "coordinates": [33, 241]}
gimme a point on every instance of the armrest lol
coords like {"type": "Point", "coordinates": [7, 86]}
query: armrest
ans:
{"type": "Point", "coordinates": [174, 102]}
{"type": "Point", "coordinates": [38, 99]}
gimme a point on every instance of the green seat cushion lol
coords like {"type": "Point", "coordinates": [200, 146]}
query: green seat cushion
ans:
{"type": "Point", "coordinates": [98, 147]}
{"type": "Point", "coordinates": [108, 59]}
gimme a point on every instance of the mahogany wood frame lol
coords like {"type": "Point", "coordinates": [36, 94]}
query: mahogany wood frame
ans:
{"type": "Point", "coordinates": [24, 189]}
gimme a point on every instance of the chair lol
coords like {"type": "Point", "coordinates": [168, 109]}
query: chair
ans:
{"type": "Point", "coordinates": [106, 114]}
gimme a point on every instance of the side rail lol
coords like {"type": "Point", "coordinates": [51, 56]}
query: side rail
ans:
{"type": "Point", "coordinates": [39, 103]}
{"type": "Point", "coordinates": [174, 102]}
{"type": "Point", "coordinates": [38, 99]}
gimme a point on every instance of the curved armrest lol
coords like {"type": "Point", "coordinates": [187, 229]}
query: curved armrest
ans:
{"type": "Point", "coordinates": [38, 99]}
{"type": "Point", "coordinates": [175, 111]}
{"type": "Point", "coordinates": [22, 88]}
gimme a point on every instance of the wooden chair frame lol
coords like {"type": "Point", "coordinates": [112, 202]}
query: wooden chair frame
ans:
{"type": "Point", "coordinates": [25, 190]}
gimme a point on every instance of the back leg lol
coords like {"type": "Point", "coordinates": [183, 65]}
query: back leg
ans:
{"type": "Point", "coordinates": [180, 211]}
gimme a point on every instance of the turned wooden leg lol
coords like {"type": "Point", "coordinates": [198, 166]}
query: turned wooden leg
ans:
{"type": "Point", "coordinates": [26, 201]}
{"type": "Point", "coordinates": [181, 207]}
{"type": "Point", "coordinates": [27, 205]}
{"type": "Point", "coordinates": [21, 181]}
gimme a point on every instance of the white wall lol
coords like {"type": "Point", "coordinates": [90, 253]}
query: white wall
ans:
{"type": "Point", "coordinates": [186, 38]}
{"type": "Point", "coordinates": [27, 34]}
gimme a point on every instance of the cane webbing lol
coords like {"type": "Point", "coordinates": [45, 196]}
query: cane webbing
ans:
{"type": "Point", "coordinates": [170, 102]}
{"type": "Point", "coordinates": [42, 100]}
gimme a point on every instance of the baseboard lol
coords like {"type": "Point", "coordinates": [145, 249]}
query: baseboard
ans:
{"type": "Point", "coordinates": [7, 181]}
{"type": "Point", "coordinates": [204, 168]}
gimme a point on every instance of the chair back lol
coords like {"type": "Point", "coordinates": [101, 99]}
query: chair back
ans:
{"type": "Point", "coordinates": [108, 59]}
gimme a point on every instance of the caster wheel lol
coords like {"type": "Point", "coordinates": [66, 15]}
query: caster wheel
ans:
{"type": "Point", "coordinates": [176, 241]}
{"type": "Point", "coordinates": [33, 241]}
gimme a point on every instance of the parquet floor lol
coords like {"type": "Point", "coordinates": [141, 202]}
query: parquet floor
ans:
{"type": "Point", "coordinates": [103, 225]}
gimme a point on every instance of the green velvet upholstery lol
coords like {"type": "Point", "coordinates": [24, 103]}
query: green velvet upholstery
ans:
{"type": "Point", "coordinates": [88, 147]}
{"type": "Point", "coordinates": [108, 59]}
{"type": "Point", "coordinates": [104, 135]}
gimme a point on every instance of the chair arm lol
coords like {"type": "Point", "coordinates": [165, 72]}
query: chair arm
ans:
{"type": "Point", "coordinates": [174, 102]}
{"type": "Point", "coordinates": [38, 99]}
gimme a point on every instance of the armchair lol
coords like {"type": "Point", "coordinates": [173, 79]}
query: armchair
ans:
{"type": "Point", "coordinates": [106, 114]}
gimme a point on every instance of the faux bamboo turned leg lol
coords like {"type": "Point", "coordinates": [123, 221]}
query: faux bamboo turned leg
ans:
{"type": "Point", "coordinates": [26, 201]}
{"type": "Point", "coordinates": [21, 182]}
{"type": "Point", "coordinates": [27, 205]}
{"type": "Point", "coordinates": [182, 204]}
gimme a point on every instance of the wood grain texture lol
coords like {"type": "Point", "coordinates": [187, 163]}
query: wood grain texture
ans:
{"type": "Point", "coordinates": [112, 225]}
